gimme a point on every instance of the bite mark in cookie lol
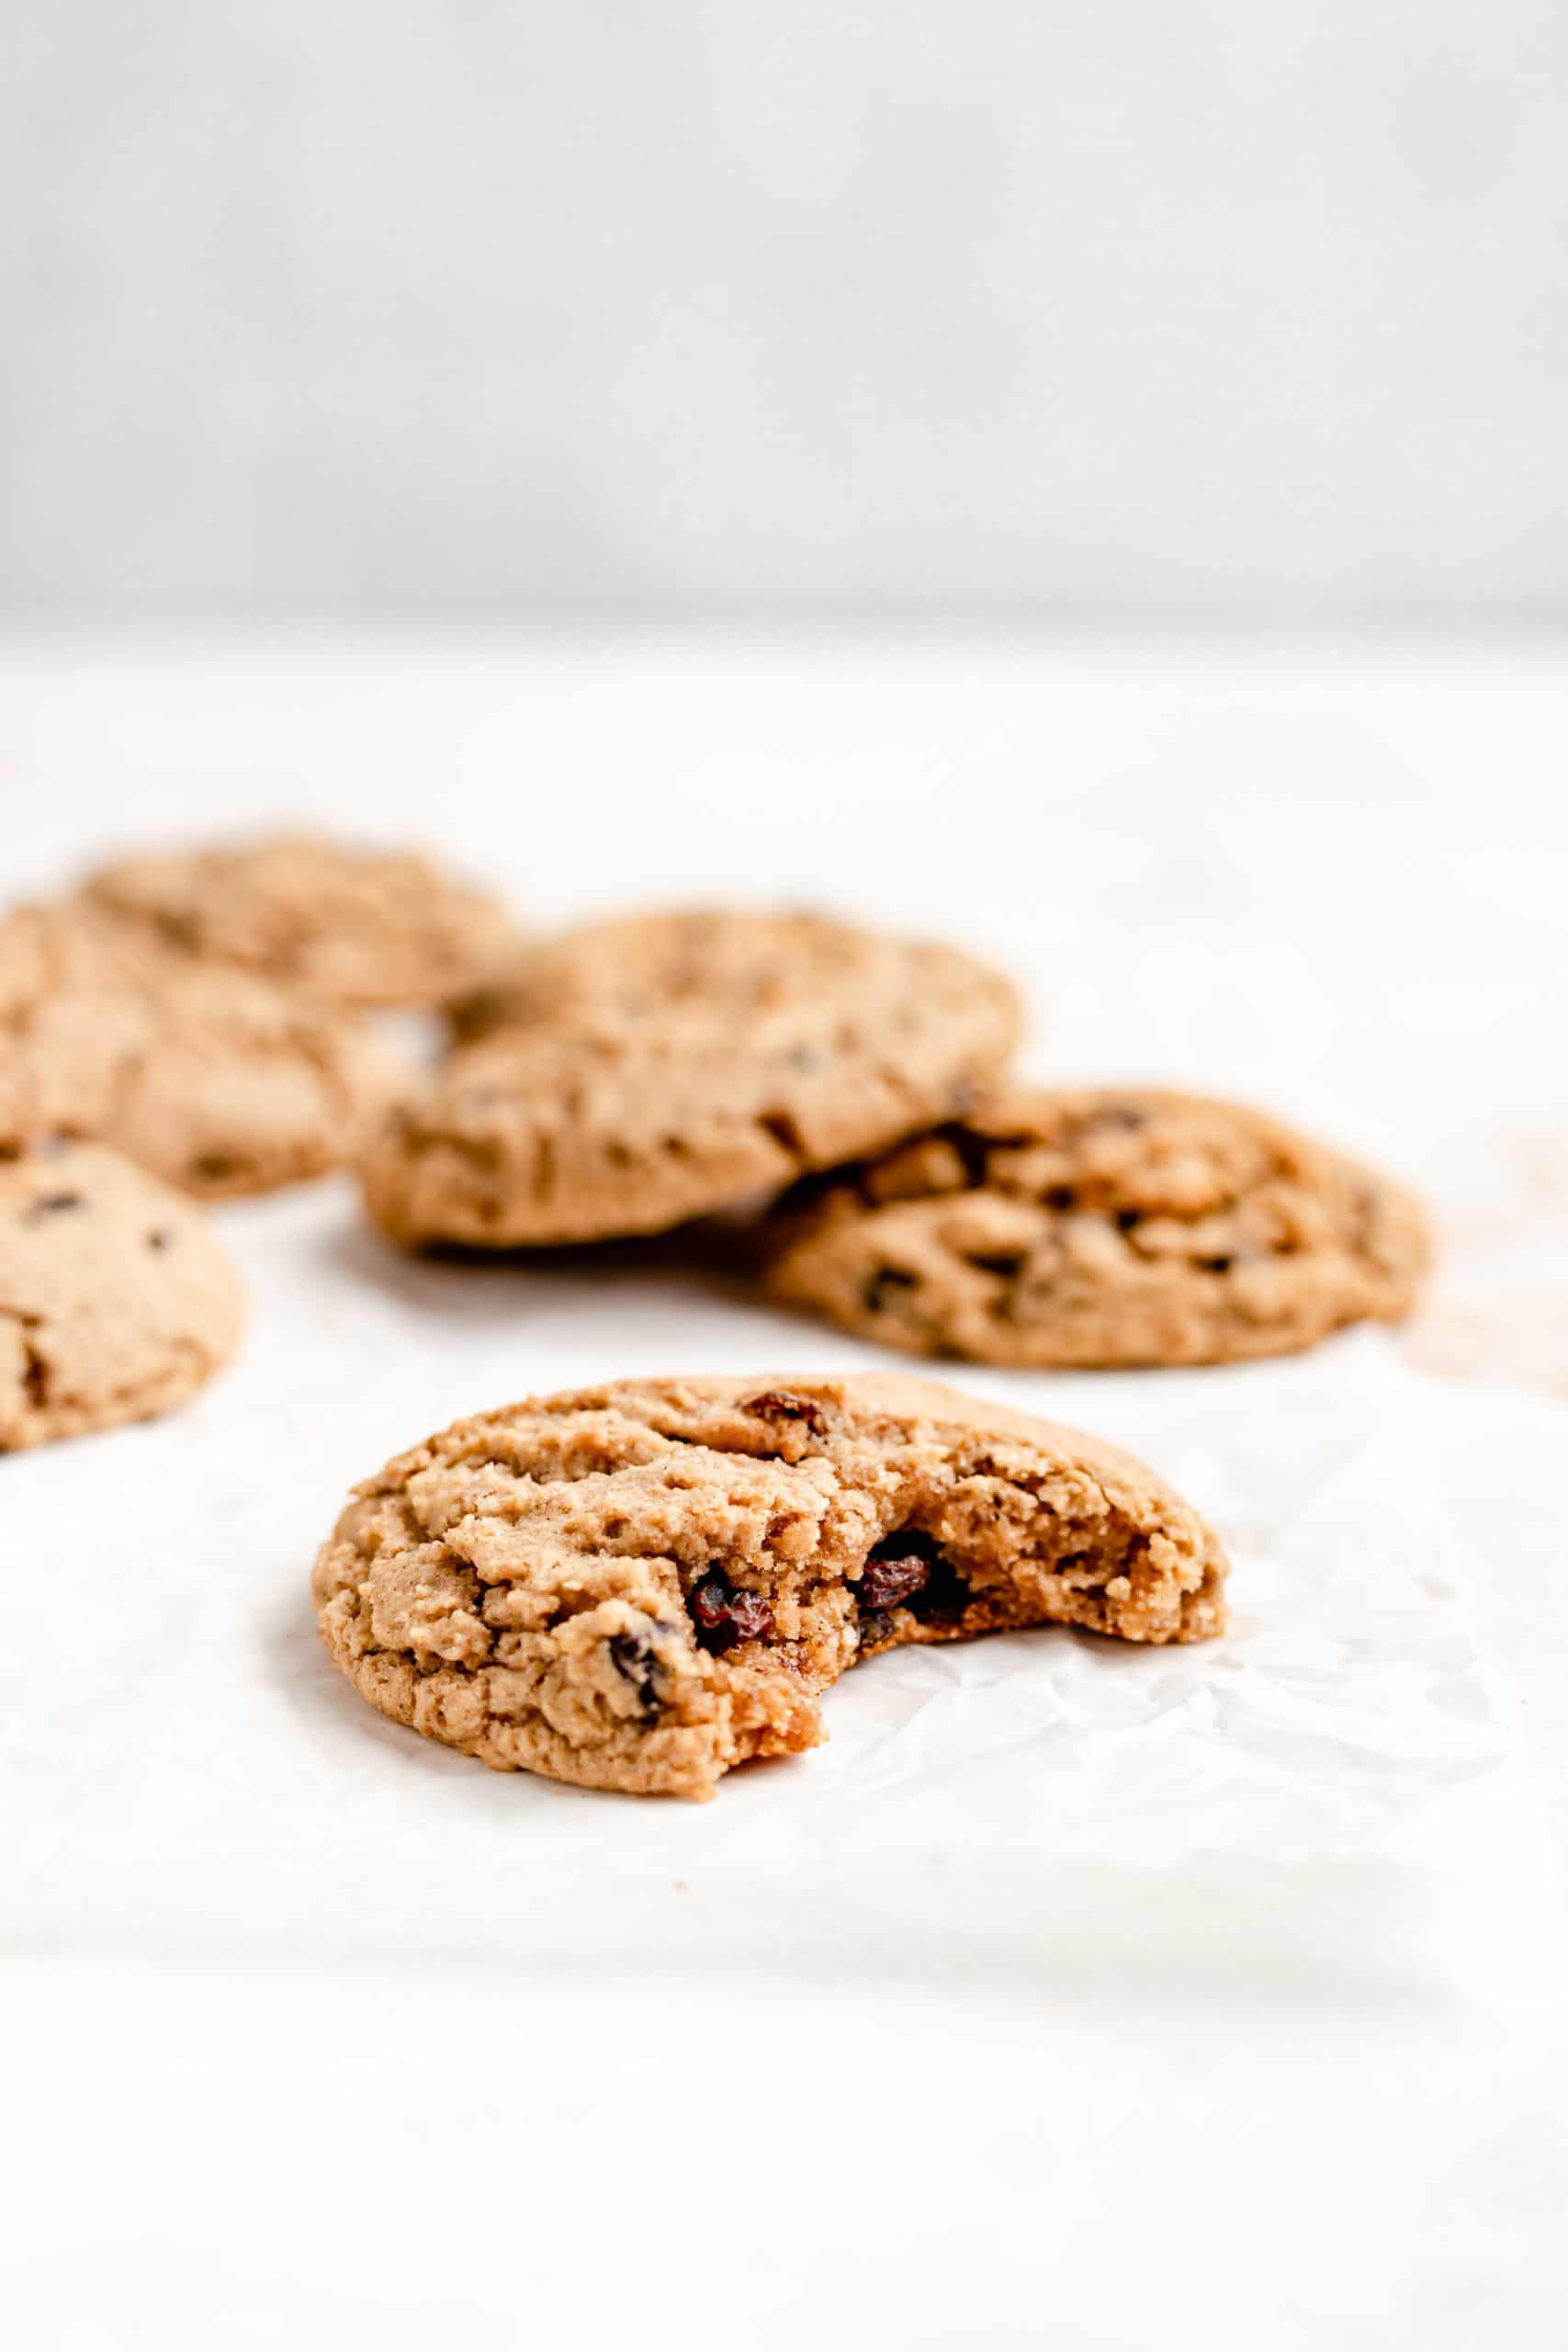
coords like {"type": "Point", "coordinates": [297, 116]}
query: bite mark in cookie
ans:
{"type": "Point", "coordinates": [641, 1586]}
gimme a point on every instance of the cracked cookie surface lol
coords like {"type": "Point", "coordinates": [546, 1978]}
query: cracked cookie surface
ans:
{"type": "Point", "coordinates": [118, 1301]}
{"type": "Point", "coordinates": [212, 1077]}
{"type": "Point", "coordinates": [355, 925]}
{"type": "Point", "coordinates": [654, 1070]}
{"type": "Point", "coordinates": [639, 1586]}
{"type": "Point", "coordinates": [1112, 1227]}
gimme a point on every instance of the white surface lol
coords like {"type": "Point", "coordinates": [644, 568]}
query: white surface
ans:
{"type": "Point", "coordinates": [397, 307]}
{"type": "Point", "coordinates": [1242, 1959]}
{"type": "Point", "coordinates": [283, 2158]}
{"type": "Point", "coordinates": [995, 1808]}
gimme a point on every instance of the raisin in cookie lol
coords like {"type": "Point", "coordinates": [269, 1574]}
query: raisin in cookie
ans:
{"type": "Point", "coordinates": [356, 925]}
{"type": "Point", "coordinates": [639, 1586]}
{"type": "Point", "coordinates": [651, 1071]}
{"type": "Point", "coordinates": [215, 1079]}
{"type": "Point", "coordinates": [117, 1299]}
{"type": "Point", "coordinates": [1115, 1226]}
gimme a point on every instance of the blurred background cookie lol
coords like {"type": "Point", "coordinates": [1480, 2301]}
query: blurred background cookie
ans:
{"type": "Point", "coordinates": [364, 926]}
{"type": "Point", "coordinates": [117, 1299]}
{"type": "Point", "coordinates": [640, 1073]}
{"type": "Point", "coordinates": [212, 1077]}
{"type": "Point", "coordinates": [727, 963]}
{"type": "Point", "coordinates": [1101, 1227]}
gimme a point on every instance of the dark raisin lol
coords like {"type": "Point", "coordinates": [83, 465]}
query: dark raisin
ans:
{"type": "Point", "coordinates": [724, 1612]}
{"type": "Point", "coordinates": [874, 1298]}
{"type": "Point", "coordinates": [483, 1010]}
{"type": "Point", "coordinates": [783, 1130]}
{"type": "Point", "coordinates": [942, 1596]}
{"type": "Point", "coordinates": [875, 1625]}
{"type": "Point", "coordinates": [635, 1658]}
{"type": "Point", "coordinates": [908, 1543]}
{"type": "Point", "coordinates": [783, 1404]}
{"type": "Point", "coordinates": [972, 1152]}
{"type": "Point", "coordinates": [50, 1205]}
{"type": "Point", "coordinates": [884, 1583]}
{"type": "Point", "coordinates": [910, 1569]}
{"type": "Point", "coordinates": [1009, 1263]}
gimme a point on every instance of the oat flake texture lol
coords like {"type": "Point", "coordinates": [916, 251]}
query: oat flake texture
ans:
{"type": "Point", "coordinates": [356, 925]}
{"type": "Point", "coordinates": [215, 1079]}
{"type": "Point", "coordinates": [640, 1586]}
{"type": "Point", "coordinates": [1117, 1227]}
{"type": "Point", "coordinates": [117, 1300]}
{"type": "Point", "coordinates": [632, 1075]}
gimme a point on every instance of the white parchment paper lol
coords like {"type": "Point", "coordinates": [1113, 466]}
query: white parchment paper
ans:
{"type": "Point", "coordinates": [1327, 1785]}
{"type": "Point", "coordinates": [1235, 1956]}
{"type": "Point", "coordinates": [1072, 1996]}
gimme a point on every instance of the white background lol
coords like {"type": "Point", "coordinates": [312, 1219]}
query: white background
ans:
{"type": "Point", "coordinates": [1249, 308]}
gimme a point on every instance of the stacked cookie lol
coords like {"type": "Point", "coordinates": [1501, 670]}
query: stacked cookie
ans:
{"type": "Point", "coordinates": [353, 925]}
{"type": "Point", "coordinates": [196, 1018]}
{"type": "Point", "coordinates": [635, 1075]}
{"type": "Point", "coordinates": [221, 1081]}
